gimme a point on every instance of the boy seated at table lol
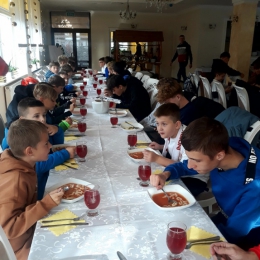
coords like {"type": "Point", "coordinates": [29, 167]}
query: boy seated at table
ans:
{"type": "Point", "coordinates": [133, 96]}
{"type": "Point", "coordinates": [32, 109]}
{"type": "Point", "coordinates": [53, 69]}
{"type": "Point", "coordinates": [63, 60]}
{"type": "Point", "coordinates": [67, 68]}
{"type": "Point", "coordinates": [234, 172]}
{"type": "Point", "coordinates": [170, 129]}
{"type": "Point", "coordinates": [20, 210]}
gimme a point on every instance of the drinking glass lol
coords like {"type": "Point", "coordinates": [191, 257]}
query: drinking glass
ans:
{"type": "Point", "coordinates": [82, 127]}
{"type": "Point", "coordinates": [82, 87]}
{"type": "Point", "coordinates": [82, 100]}
{"type": "Point", "coordinates": [132, 140]}
{"type": "Point", "coordinates": [85, 93]}
{"type": "Point", "coordinates": [100, 81]}
{"type": "Point", "coordinates": [176, 239]}
{"type": "Point", "coordinates": [90, 72]}
{"type": "Point", "coordinates": [113, 120]}
{"type": "Point", "coordinates": [98, 91]}
{"type": "Point", "coordinates": [94, 85]}
{"type": "Point", "coordinates": [83, 111]}
{"type": "Point", "coordinates": [144, 172]}
{"type": "Point", "coordinates": [81, 150]}
{"type": "Point", "coordinates": [85, 84]}
{"type": "Point", "coordinates": [95, 78]}
{"type": "Point", "coordinates": [111, 104]}
{"type": "Point", "coordinates": [92, 200]}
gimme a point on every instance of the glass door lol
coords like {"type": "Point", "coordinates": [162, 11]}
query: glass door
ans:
{"type": "Point", "coordinates": [76, 43]}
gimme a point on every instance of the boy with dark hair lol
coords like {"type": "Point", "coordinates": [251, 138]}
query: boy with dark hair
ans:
{"type": "Point", "coordinates": [19, 207]}
{"type": "Point", "coordinates": [119, 69]}
{"type": "Point", "coordinates": [102, 64]}
{"type": "Point", "coordinates": [68, 69]}
{"type": "Point", "coordinates": [133, 96]}
{"type": "Point", "coordinates": [234, 172]}
{"type": "Point", "coordinates": [53, 69]}
{"type": "Point", "coordinates": [170, 129]}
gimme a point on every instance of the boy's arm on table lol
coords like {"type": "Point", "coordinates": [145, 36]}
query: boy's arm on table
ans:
{"type": "Point", "coordinates": [54, 160]}
{"type": "Point", "coordinates": [58, 138]}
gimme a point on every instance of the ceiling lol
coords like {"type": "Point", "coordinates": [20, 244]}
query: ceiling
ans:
{"type": "Point", "coordinates": [139, 6]}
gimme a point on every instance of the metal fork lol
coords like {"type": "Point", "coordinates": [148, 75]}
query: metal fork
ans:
{"type": "Point", "coordinates": [209, 240]}
{"type": "Point", "coordinates": [73, 219]}
{"type": "Point", "coordinates": [170, 201]}
{"type": "Point", "coordinates": [132, 125]}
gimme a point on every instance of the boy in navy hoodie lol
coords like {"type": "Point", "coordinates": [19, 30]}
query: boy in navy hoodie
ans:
{"type": "Point", "coordinates": [234, 168]}
{"type": "Point", "coordinates": [32, 109]}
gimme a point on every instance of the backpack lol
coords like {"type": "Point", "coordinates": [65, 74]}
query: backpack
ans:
{"type": "Point", "coordinates": [189, 86]}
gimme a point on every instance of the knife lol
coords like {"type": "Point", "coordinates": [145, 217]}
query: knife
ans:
{"type": "Point", "coordinates": [69, 224]}
{"type": "Point", "coordinates": [69, 166]}
{"type": "Point", "coordinates": [74, 135]}
{"type": "Point", "coordinates": [120, 256]}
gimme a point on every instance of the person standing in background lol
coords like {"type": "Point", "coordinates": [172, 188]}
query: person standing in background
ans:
{"type": "Point", "coordinates": [183, 53]}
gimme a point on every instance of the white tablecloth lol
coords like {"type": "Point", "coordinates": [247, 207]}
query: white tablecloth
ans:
{"type": "Point", "coordinates": [128, 221]}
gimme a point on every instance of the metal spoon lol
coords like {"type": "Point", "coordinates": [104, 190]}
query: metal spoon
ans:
{"type": "Point", "coordinates": [209, 240]}
{"type": "Point", "coordinates": [66, 188]}
{"type": "Point", "coordinates": [170, 201]}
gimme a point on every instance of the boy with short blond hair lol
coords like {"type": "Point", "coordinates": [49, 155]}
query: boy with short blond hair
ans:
{"type": "Point", "coordinates": [170, 129]}
{"type": "Point", "coordinates": [19, 208]}
{"type": "Point", "coordinates": [53, 69]}
{"type": "Point", "coordinates": [62, 59]}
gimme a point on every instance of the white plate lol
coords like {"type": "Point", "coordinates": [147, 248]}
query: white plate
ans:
{"type": "Point", "coordinates": [140, 150]}
{"type": "Point", "coordinates": [122, 113]}
{"type": "Point", "coordinates": [173, 188]}
{"type": "Point", "coordinates": [126, 127]}
{"type": "Point", "coordinates": [69, 180]}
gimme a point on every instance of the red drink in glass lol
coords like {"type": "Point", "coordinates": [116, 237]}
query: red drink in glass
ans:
{"type": "Point", "coordinates": [111, 104]}
{"type": "Point", "coordinates": [85, 93]}
{"type": "Point", "coordinates": [92, 200]}
{"type": "Point", "coordinates": [82, 101]}
{"type": "Point", "coordinates": [132, 140]}
{"type": "Point", "coordinates": [82, 150]}
{"type": "Point", "coordinates": [144, 172]}
{"type": "Point", "coordinates": [90, 72]}
{"type": "Point", "coordinates": [83, 111]}
{"type": "Point", "coordinates": [98, 91]}
{"type": "Point", "coordinates": [82, 87]}
{"type": "Point", "coordinates": [176, 239]}
{"type": "Point", "coordinates": [100, 81]}
{"type": "Point", "coordinates": [82, 127]}
{"type": "Point", "coordinates": [95, 85]}
{"type": "Point", "coordinates": [95, 78]}
{"type": "Point", "coordinates": [85, 83]}
{"type": "Point", "coordinates": [113, 120]}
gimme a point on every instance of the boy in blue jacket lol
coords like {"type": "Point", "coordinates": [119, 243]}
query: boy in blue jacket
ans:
{"type": "Point", "coordinates": [32, 109]}
{"type": "Point", "coordinates": [235, 176]}
{"type": "Point", "coordinates": [53, 69]}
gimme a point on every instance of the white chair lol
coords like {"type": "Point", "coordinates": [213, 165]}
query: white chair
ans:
{"type": "Point", "coordinates": [139, 75]}
{"type": "Point", "coordinates": [218, 87]}
{"type": "Point", "coordinates": [195, 80]}
{"type": "Point", "coordinates": [242, 98]}
{"type": "Point", "coordinates": [144, 79]}
{"type": "Point", "coordinates": [153, 82]}
{"type": "Point", "coordinates": [206, 87]}
{"type": "Point", "coordinates": [253, 133]}
{"type": "Point", "coordinates": [6, 251]}
{"type": "Point", "coordinates": [130, 70]}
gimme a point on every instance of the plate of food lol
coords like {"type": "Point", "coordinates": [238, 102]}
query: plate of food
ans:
{"type": "Point", "coordinates": [137, 154]}
{"type": "Point", "coordinates": [131, 126]}
{"type": "Point", "coordinates": [118, 112]}
{"type": "Point", "coordinates": [181, 197]}
{"type": "Point", "coordinates": [76, 189]}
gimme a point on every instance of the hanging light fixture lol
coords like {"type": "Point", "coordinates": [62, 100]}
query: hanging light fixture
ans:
{"type": "Point", "coordinates": [160, 4]}
{"type": "Point", "coordinates": [127, 14]}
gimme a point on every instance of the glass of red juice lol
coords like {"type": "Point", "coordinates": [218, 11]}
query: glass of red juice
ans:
{"type": "Point", "coordinates": [100, 81]}
{"type": "Point", "coordinates": [85, 92]}
{"type": "Point", "coordinates": [85, 84]}
{"type": "Point", "coordinates": [83, 111]}
{"type": "Point", "coordinates": [98, 91]}
{"type": "Point", "coordinates": [95, 78]}
{"type": "Point", "coordinates": [82, 87]}
{"type": "Point", "coordinates": [94, 85]}
{"type": "Point", "coordinates": [82, 100]}
{"type": "Point", "coordinates": [92, 200]}
{"type": "Point", "coordinates": [111, 104]}
{"type": "Point", "coordinates": [90, 72]}
{"type": "Point", "coordinates": [144, 172]}
{"type": "Point", "coordinates": [113, 120]}
{"type": "Point", "coordinates": [132, 140]}
{"type": "Point", "coordinates": [176, 239]}
{"type": "Point", "coordinates": [81, 150]}
{"type": "Point", "coordinates": [82, 127]}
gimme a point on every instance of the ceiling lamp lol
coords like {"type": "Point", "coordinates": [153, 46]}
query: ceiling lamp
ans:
{"type": "Point", "coordinates": [160, 4]}
{"type": "Point", "coordinates": [127, 14]}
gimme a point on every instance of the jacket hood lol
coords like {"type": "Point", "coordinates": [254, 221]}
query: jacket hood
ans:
{"type": "Point", "coordinates": [9, 163]}
{"type": "Point", "coordinates": [24, 91]}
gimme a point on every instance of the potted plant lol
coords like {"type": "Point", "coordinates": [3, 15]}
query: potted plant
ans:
{"type": "Point", "coordinates": [12, 69]}
{"type": "Point", "coordinates": [35, 61]}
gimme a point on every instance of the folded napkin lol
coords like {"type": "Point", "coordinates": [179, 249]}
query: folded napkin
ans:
{"type": "Point", "coordinates": [197, 233]}
{"type": "Point", "coordinates": [140, 144]}
{"type": "Point", "coordinates": [71, 163]}
{"type": "Point", "coordinates": [70, 138]}
{"type": "Point", "coordinates": [57, 231]}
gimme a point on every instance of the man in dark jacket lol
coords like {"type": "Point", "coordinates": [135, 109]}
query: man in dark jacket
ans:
{"type": "Point", "coordinates": [222, 64]}
{"type": "Point", "coordinates": [183, 53]}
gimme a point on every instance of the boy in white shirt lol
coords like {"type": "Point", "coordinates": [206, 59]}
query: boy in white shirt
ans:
{"type": "Point", "coordinates": [170, 129]}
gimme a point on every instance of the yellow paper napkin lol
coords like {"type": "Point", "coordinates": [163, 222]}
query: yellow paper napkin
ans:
{"type": "Point", "coordinates": [197, 233]}
{"type": "Point", "coordinates": [140, 144]}
{"type": "Point", "coordinates": [57, 231]}
{"type": "Point", "coordinates": [71, 163]}
{"type": "Point", "coordinates": [70, 138]}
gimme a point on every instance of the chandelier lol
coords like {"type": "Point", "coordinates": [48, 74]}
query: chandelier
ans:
{"type": "Point", "coordinates": [127, 14]}
{"type": "Point", "coordinates": [160, 4]}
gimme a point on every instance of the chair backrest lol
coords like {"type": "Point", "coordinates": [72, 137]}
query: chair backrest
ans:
{"type": "Point", "coordinates": [145, 78]}
{"type": "Point", "coordinates": [253, 133]}
{"type": "Point", "coordinates": [2, 129]}
{"type": "Point", "coordinates": [218, 87]}
{"type": "Point", "coordinates": [130, 70]}
{"type": "Point", "coordinates": [195, 79]}
{"type": "Point", "coordinates": [6, 251]}
{"type": "Point", "coordinates": [139, 75]}
{"type": "Point", "coordinates": [242, 98]}
{"type": "Point", "coordinates": [206, 87]}
{"type": "Point", "coordinates": [153, 98]}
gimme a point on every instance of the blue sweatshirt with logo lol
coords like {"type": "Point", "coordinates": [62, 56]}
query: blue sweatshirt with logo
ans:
{"type": "Point", "coordinates": [240, 202]}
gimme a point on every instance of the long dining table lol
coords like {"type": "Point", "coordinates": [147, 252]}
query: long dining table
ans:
{"type": "Point", "coordinates": [128, 220]}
